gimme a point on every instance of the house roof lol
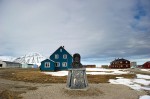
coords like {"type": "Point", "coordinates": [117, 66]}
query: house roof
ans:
{"type": "Point", "coordinates": [8, 62]}
{"type": "Point", "coordinates": [120, 59]}
{"type": "Point", "coordinates": [62, 48]}
{"type": "Point", "coordinates": [49, 60]}
{"type": "Point", "coordinates": [147, 62]}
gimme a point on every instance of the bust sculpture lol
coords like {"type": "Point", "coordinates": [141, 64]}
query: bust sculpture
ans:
{"type": "Point", "coordinates": [77, 78]}
{"type": "Point", "coordinates": [76, 61]}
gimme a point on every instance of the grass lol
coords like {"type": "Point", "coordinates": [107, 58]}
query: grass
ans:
{"type": "Point", "coordinates": [35, 76]}
{"type": "Point", "coordinates": [7, 94]}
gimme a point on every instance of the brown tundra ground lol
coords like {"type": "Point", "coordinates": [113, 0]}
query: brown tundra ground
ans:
{"type": "Point", "coordinates": [31, 84]}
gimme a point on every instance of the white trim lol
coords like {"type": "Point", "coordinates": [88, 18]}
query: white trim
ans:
{"type": "Point", "coordinates": [47, 65]}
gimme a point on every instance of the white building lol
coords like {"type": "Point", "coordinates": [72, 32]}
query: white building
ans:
{"type": "Point", "coordinates": [133, 64]}
{"type": "Point", "coordinates": [7, 64]}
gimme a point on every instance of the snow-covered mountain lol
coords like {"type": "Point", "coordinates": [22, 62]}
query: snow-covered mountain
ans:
{"type": "Point", "coordinates": [7, 58]}
{"type": "Point", "coordinates": [30, 58]}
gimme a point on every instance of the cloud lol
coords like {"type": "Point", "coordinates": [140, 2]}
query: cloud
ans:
{"type": "Point", "coordinates": [98, 29]}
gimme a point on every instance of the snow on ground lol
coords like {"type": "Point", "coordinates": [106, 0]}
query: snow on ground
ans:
{"type": "Point", "coordinates": [101, 71]}
{"type": "Point", "coordinates": [148, 70]}
{"type": "Point", "coordinates": [145, 97]}
{"type": "Point", "coordinates": [136, 83]}
{"type": "Point", "coordinates": [126, 82]}
{"type": "Point", "coordinates": [143, 76]}
{"type": "Point", "coordinates": [98, 69]}
{"type": "Point", "coordinates": [58, 73]}
{"type": "Point", "coordinates": [92, 71]}
{"type": "Point", "coordinates": [142, 82]}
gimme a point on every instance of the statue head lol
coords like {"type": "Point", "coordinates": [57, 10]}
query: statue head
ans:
{"type": "Point", "coordinates": [76, 58]}
{"type": "Point", "coordinates": [76, 61]}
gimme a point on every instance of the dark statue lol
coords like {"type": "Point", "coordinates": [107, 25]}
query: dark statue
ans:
{"type": "Point", "coordinates": [76, 61]}
{"type": "Point", "coordinates": [77, 78]}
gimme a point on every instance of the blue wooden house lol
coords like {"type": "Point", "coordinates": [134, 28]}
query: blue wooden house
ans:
{"type": "Point", "coordinates": [59, 60]}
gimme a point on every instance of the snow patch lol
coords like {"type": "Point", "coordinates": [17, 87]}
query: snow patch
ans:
{"type": "Point", "coordinates": [136, 83]}
{"type": "Point", "coordinates": [142, 81]}
{"type": "Point", "coordinates": [145, 97]}
{"type": "Point", "coordinates": [58, 73]}
{"type": "Point", "coordinates": [126, 82]}
{"type": "Point", "coordinates": [148, 70]}
{"type": "Point", "coordinates": [143, 76]}
{"type": "Point", "coordinates": [102, 71]}
{"type": "Point", "coordinates": [91, 71]}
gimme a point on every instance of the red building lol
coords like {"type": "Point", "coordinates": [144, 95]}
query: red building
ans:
{"type": "Point", "coordinates": [146, 65]}
{"type": "Point", "coordinates": [120, 63]}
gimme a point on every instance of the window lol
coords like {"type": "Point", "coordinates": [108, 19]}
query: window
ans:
{"type": "Point", "coordinates": [1, 65]}
{"type": "Point", "coordinates": [65, 56]}
{"type": "Point", "coordinates": [60, 50]}
{"type": "Point", "coordinates": [64, 64]}
{"type": "Point", "coordinates": [121, 62]}
{"type": "Point", "coordinates": [56, 56]}
{"type": "Point", "coordinates": [57, 64]}
{"type": "Point", "coordinates": [126, 62]}
{"type": "Point", "coordinates": [47, 64]}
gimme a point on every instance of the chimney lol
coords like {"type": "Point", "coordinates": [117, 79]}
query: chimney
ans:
{"type": "Point", "coordinates": [63, 46]}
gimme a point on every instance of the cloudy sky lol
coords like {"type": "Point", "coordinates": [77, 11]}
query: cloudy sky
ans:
{"type": "Point", "coordinates": [100, 30]}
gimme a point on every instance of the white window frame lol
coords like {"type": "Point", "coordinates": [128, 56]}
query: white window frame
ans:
{"type": "Point", "coordinates": [65, 56]}
{"type": "Point", "coordinates": [56, 56]}
{"type": "Point", "coordinates": [57, 64]}
{"type": "Point", "coordinates": [64, 64]}
{"type": "Point", "coordinates": [47, 65]}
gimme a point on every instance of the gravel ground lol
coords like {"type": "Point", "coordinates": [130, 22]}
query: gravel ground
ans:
{"type": "Point", "coordinates": [95, 91]}
{"type": "Point", "coordinates": [58, 91]}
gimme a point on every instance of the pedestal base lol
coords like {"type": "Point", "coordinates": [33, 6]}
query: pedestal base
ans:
{"type": "Point", "coordinates": [77, 79]}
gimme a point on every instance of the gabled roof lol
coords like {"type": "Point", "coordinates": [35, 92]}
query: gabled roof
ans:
{"type": "Point", "coordinates": [120, 59]}
{"type": "Point", "coordinates": [61, 47]}
{"type": "Point", "coordinates": [49, 60]}
{"type": "Point", "coordinates": [147, 62]}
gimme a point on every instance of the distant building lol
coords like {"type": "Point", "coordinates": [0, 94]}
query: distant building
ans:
{"type": "Point", "coordinates": [7, 64]}
{"type": "Point", "coordinates": [89, 66]}
{"type": "Point", "coordinates": [27, 65]}
{"type": "Point", "coordinates": [59, 60]}
{"type": "Point", "coordinates": [146, 65]}
{"type": "Point", "coordinates": [133, 65]}
{"type": "Point", "coordinates": [105, 66]}
{"type": "Point", "coordinates": [120, 63]}
{"type": "Point", "coordinates": [139, 66]}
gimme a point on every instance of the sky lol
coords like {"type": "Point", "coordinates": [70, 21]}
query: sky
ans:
{"type": "Point", "coordinates": [99, 30]}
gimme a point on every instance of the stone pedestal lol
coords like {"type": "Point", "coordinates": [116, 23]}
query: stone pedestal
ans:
{"type": "Point", "coordinates": [77, 79]}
